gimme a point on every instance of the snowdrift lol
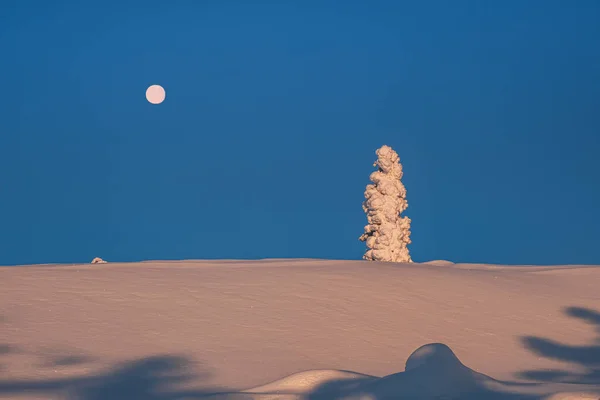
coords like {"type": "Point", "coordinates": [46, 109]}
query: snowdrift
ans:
{"type": "Point", "coordinates": [299, 329]}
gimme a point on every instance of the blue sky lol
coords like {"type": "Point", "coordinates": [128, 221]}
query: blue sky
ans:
{"type": "Point", "coordinates": [274, 111]}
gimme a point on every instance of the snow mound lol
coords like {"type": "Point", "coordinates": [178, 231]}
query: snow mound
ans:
{"type": "Point", "coordinates": [302, 382]}
{"type": "Point", "coordinates": [432, 371]}
{"type": "Point", "coordinates": [440, 263]}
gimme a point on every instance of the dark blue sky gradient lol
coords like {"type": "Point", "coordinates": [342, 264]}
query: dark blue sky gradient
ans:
{"type": "Point", "coordinates": [274, 110]}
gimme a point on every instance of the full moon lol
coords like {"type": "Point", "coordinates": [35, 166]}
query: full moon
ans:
{"type": "Point", "coordinates": [155, 94]}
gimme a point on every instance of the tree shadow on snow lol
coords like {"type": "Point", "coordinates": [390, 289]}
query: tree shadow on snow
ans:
{"type": "Point", "coordinates": [585, 358]}
{"type": "Point", "coordinates": [158, 377]}
{"type": "Point", "coordinates": [5, 350]}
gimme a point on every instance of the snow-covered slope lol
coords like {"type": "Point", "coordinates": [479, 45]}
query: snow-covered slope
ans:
{"type": "Point", "coordinates": [299, 329]}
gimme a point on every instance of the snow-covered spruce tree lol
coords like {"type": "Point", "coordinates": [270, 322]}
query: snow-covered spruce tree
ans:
{"type": "Point", "coordinates": [388, 234]}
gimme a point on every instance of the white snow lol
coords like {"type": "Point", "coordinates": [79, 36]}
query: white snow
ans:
{"type": "Point", "coordinates": [387, 235]}
{"type": "Point", "coordinates": [299, 329]}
